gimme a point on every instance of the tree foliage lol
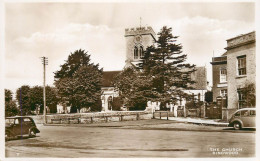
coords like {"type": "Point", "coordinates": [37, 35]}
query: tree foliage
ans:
{"type": "Point", "coordinates": [209, 96]}
{"type": "Point", "coordinates": [164, 62]}
{"type": "Point", "coordinates": [10, 105]}
{"type": "Point", "coordinates": [78, 82]}
{"type": "Point", "coordinates": [36, 98]}
{"type": "Point", "coordinates": [23, 99]}
{"type": "Point", "coordinates": [250, 94]}
{"type": "Point", "coordinates": [132, 88]}
{"type": "Point", "coordinates": [29, 98]}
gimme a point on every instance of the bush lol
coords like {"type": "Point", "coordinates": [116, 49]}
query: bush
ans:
{"type": "Point", "coordinates": [117, 103]}
{"type": "Point", "coordinates": [97, 106]}
{"type": "Point", "coordinates": [209, 96]}
{"type": "Point", "coordinates": [193, 104]}
{"type": "Point", "coordinates": [139, 104]}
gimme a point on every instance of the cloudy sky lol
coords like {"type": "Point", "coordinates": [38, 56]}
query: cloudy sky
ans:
{"type": "Point", "coordinates": [54, 30]}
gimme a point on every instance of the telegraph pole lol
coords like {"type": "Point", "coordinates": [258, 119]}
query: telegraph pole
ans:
{"type": "Point", "coordinates": [45, 62]}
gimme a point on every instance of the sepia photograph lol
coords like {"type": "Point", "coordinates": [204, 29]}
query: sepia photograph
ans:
{"type": "Point", "coordinates": [121, 79]}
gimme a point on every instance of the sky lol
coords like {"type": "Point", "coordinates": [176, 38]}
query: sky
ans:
{"type": "Point", "coordinates": [55, 30]}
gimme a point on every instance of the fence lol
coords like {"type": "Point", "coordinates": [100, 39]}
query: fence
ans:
{"type": "Point", "coordinates": [160, 114]}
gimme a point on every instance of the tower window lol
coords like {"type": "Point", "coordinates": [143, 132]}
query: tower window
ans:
{"type": "Point", "coordinates": [136, 53]}
{"type": "Point", "coordinates": [141, 52]}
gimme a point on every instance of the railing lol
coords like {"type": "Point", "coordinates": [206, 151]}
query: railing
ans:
{"type": "Point", "coordinates": [161, 113]}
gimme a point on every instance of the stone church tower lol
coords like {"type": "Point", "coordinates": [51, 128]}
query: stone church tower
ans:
{"type": "Point", "coordinates": [137, 40]}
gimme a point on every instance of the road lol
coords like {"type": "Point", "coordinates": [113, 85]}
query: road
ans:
{"type": "Point", "coordinates": [138, 139]}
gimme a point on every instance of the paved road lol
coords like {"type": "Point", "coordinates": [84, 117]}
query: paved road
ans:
{"type": "Point", "coordinates": [149, 138]}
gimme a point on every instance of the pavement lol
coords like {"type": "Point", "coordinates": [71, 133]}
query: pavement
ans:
{"type": "Point", "coordinates": [200, 121]}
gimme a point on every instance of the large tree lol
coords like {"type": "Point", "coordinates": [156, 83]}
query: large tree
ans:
{"type": "Point", "coordinates": [133, 88]}
{"type": "Point", "coordinates": [36, 98]}
{"type": "Point", "coordinates": [23, 99]}
{"type": "Point", "coordinates": [10, 105]}
{"type": "Point", "coordinates": [78, 81]}
{"type": "Point", "coordinates": [166, 65]}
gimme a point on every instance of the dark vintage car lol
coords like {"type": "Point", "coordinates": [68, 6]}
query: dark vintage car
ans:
{"type": "Point", "coordinates": [19, 126]}
{"type": "Point", "coordinates": [243, 118]}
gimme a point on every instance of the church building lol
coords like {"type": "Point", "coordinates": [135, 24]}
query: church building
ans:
{"type": "Point", "coordinates": [137, 40]}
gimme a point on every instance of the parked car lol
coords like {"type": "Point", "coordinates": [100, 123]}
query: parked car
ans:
{"type": "Point", "coordinates": [243, 118]}
{"type": "Point", "coordinates": [19, 126]}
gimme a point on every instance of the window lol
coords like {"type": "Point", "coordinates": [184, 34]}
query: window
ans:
{"type": "Point", "coordinates": [244, 113]}
{"type": "Point", "coordinates": [223, 75]}
{"type": "Point", "coordinates": [223, 92]}
{"type": "Point", "coordinates": [252, 113]}
{"type": "Point", "coordinates": [10, 121]}
{"type": "Point", "coordinates": [237, 113]}
{"type": "Point", "coordinates": [241, 65]}
{"type": "Point", "coordinates": [141, 52]}
{"type": "Point", "coordinates": [135, 53]}
{"type": "Point", "coordinates": [26, 120]}
{"type": "Point", "coordinates": [16, 121]}
{"type": "Point", "coordinates": [241, 98]}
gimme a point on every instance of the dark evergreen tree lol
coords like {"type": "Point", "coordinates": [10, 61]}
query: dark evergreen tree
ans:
{"type": "Point", "coordinates": [165, 64]}
{"type": "Point", "coordinates": [78, 82]}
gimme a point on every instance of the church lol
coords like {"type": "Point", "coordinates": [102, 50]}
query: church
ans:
{"type": "Point", "coordinates": [137, 40]}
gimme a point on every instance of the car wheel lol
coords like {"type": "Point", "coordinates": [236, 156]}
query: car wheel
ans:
{"type": "Point", "coordinates": [237, 126]}
{"type": "Point", "coordinates": [32, 133]}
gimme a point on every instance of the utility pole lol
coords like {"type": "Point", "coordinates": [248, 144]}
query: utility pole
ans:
{"type": "Point", "coordinates": [45, 62]}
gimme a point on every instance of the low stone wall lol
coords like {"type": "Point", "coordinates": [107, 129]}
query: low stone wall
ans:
{"type": "Point", "coordinates": [97, 117]}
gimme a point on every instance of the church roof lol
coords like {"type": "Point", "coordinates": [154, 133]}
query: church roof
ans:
{"type": "Point", "coordinates": [108, 77]}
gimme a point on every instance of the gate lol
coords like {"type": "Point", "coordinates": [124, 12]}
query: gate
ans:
{"type": "Point", "coordinates": [214, 111]}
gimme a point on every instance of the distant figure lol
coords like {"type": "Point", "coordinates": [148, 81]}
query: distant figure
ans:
{"type": "Point", "coordinates": [109, 102]}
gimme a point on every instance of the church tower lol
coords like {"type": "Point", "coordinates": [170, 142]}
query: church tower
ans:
{"type": "Point", "coordinates": [137, 40]}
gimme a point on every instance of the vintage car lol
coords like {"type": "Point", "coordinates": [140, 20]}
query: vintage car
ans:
{"type": "Point", "coordinates": [19, 126]}
{"type": "Point", "coordinates": [243, 118]}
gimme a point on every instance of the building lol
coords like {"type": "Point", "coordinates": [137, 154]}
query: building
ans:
{"type": "Point", "coordinates": [219, 76]}
{"type": "Point", "coordinates": [199, 88]}
{"type": "Point", "coordinates": [108, 91]}
{"type": "Point", "coordinates": [137, 40]}
{"type": "Point", "coordinates": [233, 70]}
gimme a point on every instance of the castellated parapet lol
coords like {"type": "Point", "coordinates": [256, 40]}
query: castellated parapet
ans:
{"type": "Point", "coordinates": [140, 31]}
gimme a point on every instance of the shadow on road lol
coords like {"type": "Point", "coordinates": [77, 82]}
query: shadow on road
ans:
{"type": "Point", "coordinates": [19, 138]}
{"type": "Point", "coordinates": [247, 129]}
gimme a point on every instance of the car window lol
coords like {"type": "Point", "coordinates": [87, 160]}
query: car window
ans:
{"type": "Point", "coordinates": [237, 113]}
{"type": "Point", "coordinates": [26, 120]}
{"type": "Point", "coordinates": [252, 112]}
{"type": "Point", "coordinates": [16, 121]}
{"type": "Point", "coordinates": [244, 113]}
{"type": "Point", "coordinates": [10, 121]}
